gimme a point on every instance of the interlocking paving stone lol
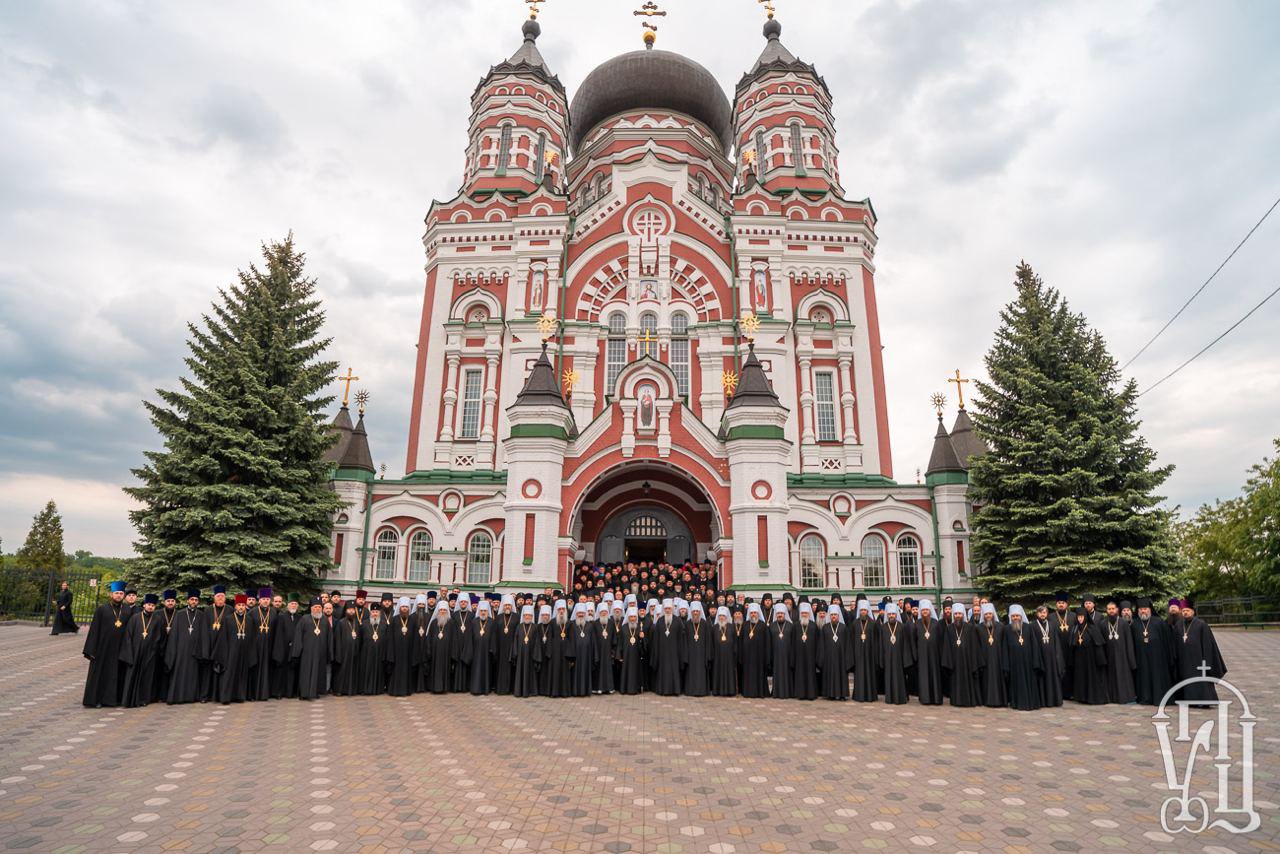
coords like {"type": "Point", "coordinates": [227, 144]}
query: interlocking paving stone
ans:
{"type": "Point", "coordinates": [604, 774]}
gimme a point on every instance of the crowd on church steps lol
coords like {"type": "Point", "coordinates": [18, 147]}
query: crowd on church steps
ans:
{"type": "Point", "coordinates": [255, 648]}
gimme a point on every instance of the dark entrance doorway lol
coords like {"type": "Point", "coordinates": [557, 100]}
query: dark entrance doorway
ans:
{"type": "Point", "coordinates": [645, 533]}
{"type": "Point", "coordinates": [653, 551]}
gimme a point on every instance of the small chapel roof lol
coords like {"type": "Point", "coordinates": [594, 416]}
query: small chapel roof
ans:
{"type": "Point", "coordinates": [754, 388]}
{"type": "Point", "coordinates": [944, 456]}
{"type": "Point", "coordinates": [527, 60]}
{"type": "Point", "coordinates": [356, 454]}
{"type": "Point", "coordinates": [968, 444]}
{"type": "Point", "coordinates": [776, 56]}
{"type": "Point", "coordinates": [541, 388]}
{"type": "Point", "coordinates": [341, 427]}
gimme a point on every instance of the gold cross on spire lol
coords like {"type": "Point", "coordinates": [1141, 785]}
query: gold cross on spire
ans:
{"type": "Point", "coordinates": [959, 387]}
{"type": "Point", "coordinates": [768, 7]}
{"type": "Point", "coordinates": [647, 11]}
{"type": "Point", "coordinates": [346, 390]}
{"type": "Point", "coordinates": [533, 8]}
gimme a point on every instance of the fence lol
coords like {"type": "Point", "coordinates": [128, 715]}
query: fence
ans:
{"type": "Point", "coordinates": [28, 594]}
{"type": "Point", "coordinates": [1245, 612]}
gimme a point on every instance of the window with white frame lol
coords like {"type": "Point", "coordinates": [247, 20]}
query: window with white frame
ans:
{"type": "Point", "coordinates": [824, 392]}
{"type": "Point", "coordinates": [479, 558]}
{"type": "Point", "coordinates": [908, 561]}
{"type": "Point", "coordinates": [797, 149]}
{"type": "Point", "coordinates": [540, 167]}
{"type": "Point", "coordinates": [873, 563]}
{"type": "Point", "coordinates": [472, 389]}
{"type": "Point", "coordinates": [680, 351]}
{"type": "Point", "coordinates": [615, 353]}
{"type": "Point", "coordinates": [813, 561]}
{"type": "Point", "coordinates": [384, 563]}
{"type": "Point", "coordinates": [647, 345]}
{"type": "Point", "coordinates": [504, 150]}
{"type": "Point", "coordinates": [760, 154]}
{"type": "Point", "coordinates": [420, 557]}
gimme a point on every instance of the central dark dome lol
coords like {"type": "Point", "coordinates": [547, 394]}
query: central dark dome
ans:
{"type": "Point", "coordinates": [656, 79]}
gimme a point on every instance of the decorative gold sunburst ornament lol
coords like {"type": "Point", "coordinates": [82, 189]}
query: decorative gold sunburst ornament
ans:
{"type": "Point", "coordinates": [547, 326]}
{"type": "Point", "coordinates": [939, 400]}
{"type": "Point", "coordinates": [361, 398]}
{"type": "Point", "coordinates": [570, 380]}
{"type": "Point", "coordinates": [729, 380]}
{"type": "Point", "coordinates": [750, 326]}
{"type": "Point", "coordinates": [550, 158]}
{"type": "Point", "coordinates": [749, 156]}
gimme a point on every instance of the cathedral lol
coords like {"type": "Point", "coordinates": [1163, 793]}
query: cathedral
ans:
{"type": "Point", "coordinates": [649, 333]}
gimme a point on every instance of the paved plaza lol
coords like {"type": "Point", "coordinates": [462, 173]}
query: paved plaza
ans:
{"type": "Point", "coordinates": [462, 773]}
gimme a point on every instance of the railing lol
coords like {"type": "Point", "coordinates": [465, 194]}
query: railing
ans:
{"type": "Point", "coordinates": [1244, 612]}
{"type": "Point", "coordinates": [28, 594]}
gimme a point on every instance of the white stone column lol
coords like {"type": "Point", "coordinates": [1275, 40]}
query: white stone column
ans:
{"type": "Point", "coordinates": [846, 399]}
{"type": "Point", "coordinates": [807, 436]}
{"type": "Point", "coordinates": [490, 397]}
{"type": "Point", "coordinates": [450, 396]}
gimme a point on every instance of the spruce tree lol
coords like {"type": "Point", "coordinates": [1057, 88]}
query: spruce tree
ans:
{"type": "Point", "coordinates": [1066, 497]}
{"type": "Point", "coordinates": [240, 493]}
{"type": "Point", "coordinates": [43, 547]}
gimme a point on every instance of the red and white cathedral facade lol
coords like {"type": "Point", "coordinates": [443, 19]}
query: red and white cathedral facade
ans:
{"type": "Point", "coordinates": [649, 217]}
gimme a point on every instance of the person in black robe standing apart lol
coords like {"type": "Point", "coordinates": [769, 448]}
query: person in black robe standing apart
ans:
{"type": "Point", "coordinates": [105, 680]}
{"type": "Point", "coordinates": [64, 622]}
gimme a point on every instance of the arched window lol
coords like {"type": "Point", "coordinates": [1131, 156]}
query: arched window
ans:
{"type": "Point", "coordinates": [504, 150]}
{"type": "Point", "coordinates": [760, 154]}
{"type": "Point", "coordinates": [908, 561]}
{"type": "Point", "coordinates": [479, 558]}
{"type": "Point", "coordinates": [384, 564]}
{"type": "Point", "coordinates": [615, 354]}
{"type": "Point", "coordinates": [680, 351]}
{"type": "Point", "coordinates": [813, 561]}
{"type": "Point", "coordinates": [649, 323]}
{"type": "Point", "coordinates": [797, 149]}
{"type": "Point", "coordinates": [873, 561]}
{"type": "Point", "coordinates": [540, 167]}
{"type": "Point", "coordinates": [646, 526]}
{"type": "Point", "coordinates": [420, 557]}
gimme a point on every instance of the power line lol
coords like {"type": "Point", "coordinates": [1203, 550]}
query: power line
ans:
{"type": "Point", "coordinates": [1178, 313]}
{"type": "Point", "coordinates": [1214, 341]}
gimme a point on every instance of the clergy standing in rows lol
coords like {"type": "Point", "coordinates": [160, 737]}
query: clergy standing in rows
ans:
{"type": "Point", "coordinates": [1052, 660]}
{"type": "Point", "coordinates": [438, 651]}
{"type": "Point", "coordinates": [804, 654]}
{"type": "Point", "coordinates": [506, 643]}
{"type": "Point", "coordinates": [375, 655]}
{"type": "Point", "coordinates": [896, 655]}
{"type": "Point", "coordinates": [1022, 660]}
{"type": "Point", "coordinates": [104, 684]}
{"type": "Point", "coordinates": [927, 640]}
{"type": "Point", "coordinates": [782, 654]}
{"type": "Point", "coordinates": [345, 678]}
{"type": "Point", "coordinates": [402, 654]}
{"type": "Point", "coordinates": [313, 650]}
{"type": "Point", "coordinates": [991, 659]}
{"type": "Point", "coordinates": [1088, 661]}
{"type": "Point", "coordinates": [865, 656]}
{"type": "Point", "coordinates": [524, 670]}
{"type": "Point", "coordinates": [484, 649]}
{"type": "Point", "coordinates": [631, 641]}
{"type": "Point", "coordinates": [962, 660]}
{"type": "Point", "coordinates": [1121, 662]}
{"type": "Point", "coordinates": [140, 652]}
{"type": "Point", "coordinates": [1155, 656]}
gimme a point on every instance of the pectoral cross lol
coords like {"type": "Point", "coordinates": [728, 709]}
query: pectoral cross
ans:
{"type": "Point", "coordinates": [646, 339]}
{"type": "Point", "coordinates": [347, 381]}
{"type": "Point", "coordinates": [959, 382]}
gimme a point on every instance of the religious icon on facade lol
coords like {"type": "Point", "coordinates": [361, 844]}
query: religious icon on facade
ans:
{"type": "Point", "coordinates": [646, 406]}
{"type": "Point", "coordinates": [760, 284]}
{"type": "Point", "coordinates": [649, 289]}
{"type": "Point", "coordinates": [537, 289]}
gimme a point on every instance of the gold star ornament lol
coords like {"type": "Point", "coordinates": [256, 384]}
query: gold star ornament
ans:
{"type": "Point", "coordinates": [939, 400]}
{"type": "Point", "coordinates": [729, 380]}
{"type": "Point", "coordinates": [547, 326]}
{"type": "Point", "coordinates": [750, 326]}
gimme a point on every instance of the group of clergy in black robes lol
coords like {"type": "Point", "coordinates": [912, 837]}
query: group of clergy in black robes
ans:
{"type": "Point", "coordinates": [647, 579]}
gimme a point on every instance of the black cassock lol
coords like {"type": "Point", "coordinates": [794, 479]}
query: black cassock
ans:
{"type": "Point", "coordinates": [162, 671]}
{"type": "Point", "coordinates": [1063, 622]}
{"type": "Point", "coordinates": [991, 662]}
{"type": "Point", "coordinates": [421, 624]}
{"type": "Point", "coordinates": [1088, 664]}
{"type": "Point", "coordinates": [105, 681]}
{"type": "Point", "coordinates": [896, 655]}
{"type": "Point", "coordinates": [835, 658]}
{"type": "Point", "coordinates": [1053, 664]}
{"type": "Point", "coordinates": [553, 663]}
{"type": "Point", "coordinates": [284, 670]}
{"type": "Point", "coordinates": [753, 656]}
{"type": "Point", "coordinates": [185, 650]}
{"type": "Point", "coordinates": [927, 636]}
{"type": "Point", "coordinates": [865, 641]}
{"type": "Point", "coordinates": [219, 622]}
{"type": "Point", "coordinates": [463, 650]}
{"type": "Point", "coordinates": [666, 655]}
{"type": "Point", "coordinates": [375, 655]}
{"type": "Point", "coordinates": [233, 656]}
{"type": "Point", "coordinates": [141, 652]}
{"type": "Point", "coordinates": [961, 658]}
{"type": "Point", "coordinates": [630, 655]}
{"type": "Point", "coordinates": [724, 661]}
{"type": "Point", "coordinates": [439, 655]}
{"type": "Point", "coordinates": [781, 659]}
{"type": "Point", "coordinates": [1121, 660]}
{"type": "Point", "coordinates": [580, 649]}
{"type": "Point", "coordinates": [1157, 660]}
{"type": "Point", "coordinates": [606, 643]}
{"type": "Point", "coordinates": [1197, 648]}
{"type": "Point", "coordinates": [346, 657]}
{"type": "Point", "coordinates": [263, 626]}
{"type": "Point", "coordinates": [804, 661]}
{"type": "Point", "coordinates": [312, 648]}
{"type": "Point", "coordinates": [506, 652]}
{"type": "Point", "coordinates": [523, 655]}
{"type": "Point", "coordinates": [484, 648]}
{"type": "Point", "coordinates": [402, 656]}
{"type": "Point", "coordinates": [697, 657]}
{"type": "Point", "coordinates": [1023, 662]}
{"type": "Point", "coordinates": [64, 622]}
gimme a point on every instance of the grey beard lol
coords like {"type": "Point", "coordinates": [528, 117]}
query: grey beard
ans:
{"type": "Point", "coordinates": [562, 620]}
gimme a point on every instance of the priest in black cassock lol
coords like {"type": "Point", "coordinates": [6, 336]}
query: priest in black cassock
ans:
{"type": "Point", "coordinates": [524, 670]}
{"type": "Point", "coordinates": [553, 674]}
{"type": "Point", "coordinates": [991, 658]}
{"type": "Point", "coordinates": [233, 654]}
{"type": "Point", "coordinates": [782, 654]}
{"type": "Point", "coordinates": [1022, 661]}
{"type": "Point", "coordinates": [1063, 622]}
{"type": "Point", "coordinates": [1198, 656]}
{"type": "Point", "coordinates": [666, 651]}
{"type": "Point", "coordinates": [896, 654]}
{"type": "Point", "coordinates": [753, 654]}
{"type": "Point", "coordinates": [1155, 653]}
{"type": "Point", "coordinates": [835, 655]}
{"type": "Point", "coordinates": [697, 653]}
{"type": "Point", "coordinates": [140, 653]}
{"type": "Point", "coordinates": [402, 651]}
{"type": "Point", "coordinates": [463, 644]}
{"type": "Point", "coordinates": [1088, 662]}
{"type": "Point", "coordinates": [804, 654]}
{"type": "Point", "coordinates": [961, 659]}
{"type": "Point", "coordinates": [438, 650]}
{"type": "Point", "coordinates": [105, 680]}
{"type": "Point", "coordinates": [864, 641]}
{"type": "Point", "coordinates": [312, 648]}
{"type": "Point", "coordinates": [581, 651]}
{"type": "Point", "coordinates": [264, 621]}
{"type": "Point", "coordinates": [185, 650]}
{"type": "Point", "coordinates": [606, 643]}
{"type": "Point", "coordinates": [927, 642]}
{"type": "Point", "coordinates": [219, 622]}
{"type": "Point", "coordinates": [630, 654]}
{"type": "Point", "coordinates": [375, 653]}
{"type": "Point", "coordinates": [64, 621]}
{"type": "Point", "coordinates": [1045, 632]}
{"type": "Point", "coordinates": [284, 670]}
{"type": "Point", "coordinates": [484, 648]}
{"type": "Point", "coordinates": [1121, 660]}
{"type": "Point", "coordinates": [346, 653]}
{"type": "Point", "coordinates": [505, 645]}
{"type": "Point", "coordinates": [167, 612]}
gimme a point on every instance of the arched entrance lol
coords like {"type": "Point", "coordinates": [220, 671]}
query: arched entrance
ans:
{"type": "Point", "coordinates": [645, 533]}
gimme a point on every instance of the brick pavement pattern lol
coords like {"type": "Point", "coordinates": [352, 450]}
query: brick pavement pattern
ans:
{"type": "Point", "coordinates": [611, 774]}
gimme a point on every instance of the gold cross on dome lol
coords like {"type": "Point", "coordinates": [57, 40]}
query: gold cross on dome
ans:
{"type": "Point", "coordinates": [348, 380]}
{"type": "Point", "coordinates": [768, 6]}
{"type": "Point", "coordinates": [959, 387]}
{"type": "Point", "coordinates": [533, 8]}
{"type": "Point", "coordinates": [645, 339]}
{"type": "Point", "coordinates": [647, 11]}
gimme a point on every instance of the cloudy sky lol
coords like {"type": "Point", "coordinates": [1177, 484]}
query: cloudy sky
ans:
{"type": "Point", "coordinates": [147, 146]}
